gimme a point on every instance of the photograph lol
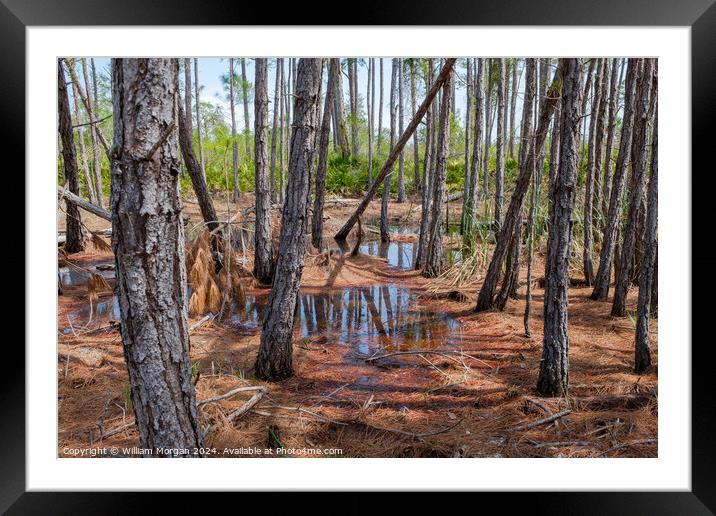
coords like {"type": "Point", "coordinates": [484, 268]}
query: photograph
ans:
{"type": "Point", "coordinates": [357, 257]}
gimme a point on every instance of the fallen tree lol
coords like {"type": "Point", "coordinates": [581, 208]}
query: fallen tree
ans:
{"type": "Point", "coordinates": [85, 205]}
{"type": "Point", "coordinates": [396, 150]}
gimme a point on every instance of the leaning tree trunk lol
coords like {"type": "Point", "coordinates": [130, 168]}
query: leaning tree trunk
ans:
{"type": "Point", "coordinates": [274, 360]}
{"type": "Point", "coordinates": [500, 164]}
{"type": "Point", "coordinates": [434, 254]}
{"type": "Point", "coordinates": [512, 263]}
{"type": "Point", "coordinates": [639, 155]}
{"type": "Point", "coordinates": [206, 205]}
{"type": "Point", "coordinates": [263, 259]}
{"type": "Point", "coordinates": [512, 222]}
{"type": "Point", "coordinates": [390, 161]}
{"type": "Point", "coordinates": [642, 354]}
{"type": "Point", "coordinates": [74, 242]}
{"type": "Point", "coordinates": [554, 367]}
{"type": "Point", "coordinates": [609, 241]}
{"type": "Point", "coordinates": [148, 244]}
{"type": "Point", "coordinates": [234, 143]}
{"type": "Point", "coordinates": [317, 220]}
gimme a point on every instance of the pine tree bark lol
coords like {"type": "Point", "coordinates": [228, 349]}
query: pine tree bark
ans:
{"type": "Point", "coordinates": [642, 353]}
{"type": "Point", "coordinates": [468, 117]}
{"type": "Point", "coordinates": [500, 163]}
{"type": "Point", "coordinates": [390, 161]}
{"type": "Point", "coordinates": [370, 101]}
{"type": "Point", "coordinates": [274, 361]}
{"type": "Point", "coordinates": [434, 254]}
{"type": "Point", "coordinates": [384, 233]}
{"type": "Point", "coordinates": [416, 142]}
{"type": "Point", "coordinates": [353, 97]}
{"type": "Point", "coordinates": [74, 242]}
{"type": "Point", "coordinates": [512, 222]}
{"type": "Point", "coordinates": [89, 184]}
{"type": "Point", "coordinates": [197, 105]}
{"type": "Point", "coordinates": [426, 193]}
{"type": "Point", "coordinates": [263, 259]}
{"type": "Point", "coordinates": [597, 212]}
{"type": "Point", "coordinates": [513, 108]}
{"type": "Point", "coordinates": [401, 160]}
{"type": "Point", "coordinates": [591, 179]}
{"type": "Point", "coordinates": [472, 196]}
{"type": "Point", "coordinates": [245, 97]}
{"type": "Point", "coordinates": [554, 367]}
{"type": "Point", "coordinates": [318, 202]}
{"type": "Point", "coordinates": [488, 130]}
{"type": "Point", "coordinates": [380, 109]}
{"type": "Point", "coordinates": [234, 143]}
{"type": "Point", "coordinates": [274, 131]}
{"type": "Point", "coordinates": [609, 242]}
{"type": "Point", "coordinates": [148, 243]}
{"type": "Point", "coordinates": [92, 114]}
{"type": "Point", "coordinates": [609, 145]}
{"type": "Point", "coordinates": [639, 156]}
{"type": "Point", "coordinates": [188, 94]}
{"type": "Point", "coordinates": [341, 119]}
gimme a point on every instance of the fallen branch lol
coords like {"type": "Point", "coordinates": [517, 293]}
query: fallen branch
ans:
{"type": "Point", "coordinates": [240, 411]}
{"type": "Point", "coordinates": [540, 422]}
{"type": "Point", "coordinates": [627, 445]}
{"type": "Point", "coordinates": [230, 394]}
{"type": "Point", "coordinates": [81, 203]}
{"type": "Point", "coordinates": [408, 434]}
{"type": "Point", "coordinates": [198, 324]}
{"type": "Point", "coordinates": [301, 410]}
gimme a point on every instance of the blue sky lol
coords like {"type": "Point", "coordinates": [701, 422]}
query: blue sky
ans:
{"type": "Point", "coordinates": [212, 90]}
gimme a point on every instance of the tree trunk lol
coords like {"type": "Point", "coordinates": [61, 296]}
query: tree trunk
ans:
{"type": "Point", "coordinates": [513, 107]}
{"type": "Point", "coordinates": [234, 143]}
{"type": "Point", "coordinates": [611, 129]}
{"type": "Point", "coordinates": [380, 109]}
{"type": "Point", "coordinates": [198, 182]}
{"type": "Point", "coordinates": [89, 184]}
{"type": "Point", "coordinates": [263, 259]}
{"type": "Point", "coordinates": [370, 90]}
{"type": "Point", "coordinates": [427, 174]}
{"type": "Point", "coordinates": [274, 130]}
{"type": "Point", "coordinates": [639, 156]}
{"type": "Point", "coordinates": [603, 277]}
{"type": "Point", "coordinates": [148, 244]}
{"type": "Point", "coordinates": [401, 160]}
{"type": "Point", "coordinates": [390, 161]}
{"type": "Point", "coordinates": [500, 164]}
{"type": "Point", "coordinates": [281, 135]}
{"type": "Point", "coordinates": [384, 233]}
{"type": "Point", "coordinates": [274, 360]}
{"type": "Point", "coordinates": [470, 209]}
{"type": "Point", "coordinates": [188, 94]}
{"type": "Point", "coordinates": [597, 203]}
{"type": "Point", "coordinates": [245, 97]}
{"type": "Point", "coordinates": [642, 354]}
{"type": "Point", "coordinates": [591, 180]}
{"type": "Point", "coordinates": [197, 105]}
{"type": "Point", "coordinates": [488, 131]}
{"type": "Point", "coordinates": [74, 242]}
{"type": "Point", "coordinates": [341, 119]}
{"type": "Point", "coordinates": [92, 114]}
{"type": "Point", "coordinates": [554, 146]}
{"type": "Point", "coordinates": [468, 114]}
{"type": "Point", "coordinates": [512, 222]}
{"type": "Point", "coordinates": [317, 221]}
{"type": "Point", "coordinates": [353, 94]}
{"type": "Point", "coordinates": [416, 142]}
{"type": "Point", "coordinates": [434, 254]}
{"type": "Point", "coordinates": [512, 264]}
{"type": "Point", "coordinates": [554, 367]}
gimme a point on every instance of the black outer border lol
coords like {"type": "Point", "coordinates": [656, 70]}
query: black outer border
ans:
{"type": "Point", "coordinates": [15, 15]}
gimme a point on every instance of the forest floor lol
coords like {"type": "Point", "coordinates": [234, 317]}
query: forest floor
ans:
{"type": "Point", "coordinates": [465, 387]}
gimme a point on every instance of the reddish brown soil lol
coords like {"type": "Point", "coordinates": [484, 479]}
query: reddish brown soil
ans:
{"type": "Point", "coordinates": [470, 405]}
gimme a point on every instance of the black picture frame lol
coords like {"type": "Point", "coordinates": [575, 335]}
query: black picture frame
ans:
{"type": "Point", "coordinates": [700, 15]}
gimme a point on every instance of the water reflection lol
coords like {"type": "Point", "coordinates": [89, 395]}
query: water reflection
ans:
{"type": "Point", "coordinates": [379, 316]}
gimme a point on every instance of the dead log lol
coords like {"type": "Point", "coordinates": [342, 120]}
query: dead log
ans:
{"type": "Point", "coordinates": [85, 205]}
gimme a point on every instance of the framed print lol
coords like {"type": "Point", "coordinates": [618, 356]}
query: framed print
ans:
{"type": "Point", "coordinates": [424, 248]}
